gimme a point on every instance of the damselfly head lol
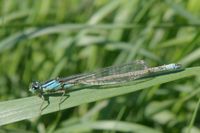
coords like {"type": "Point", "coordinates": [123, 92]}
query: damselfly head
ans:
{"type": "Point", "coordinates": [35, 87]}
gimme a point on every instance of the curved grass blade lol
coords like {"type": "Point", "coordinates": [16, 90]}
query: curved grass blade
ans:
{"type": "Point", "coordinates": [26, 108]}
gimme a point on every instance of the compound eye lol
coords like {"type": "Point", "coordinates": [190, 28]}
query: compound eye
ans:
{"type": "Point", "coordinates": [35, 85]}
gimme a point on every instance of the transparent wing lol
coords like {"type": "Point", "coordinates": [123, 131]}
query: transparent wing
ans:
{"type": "Point", "coordinates": [108, 75]}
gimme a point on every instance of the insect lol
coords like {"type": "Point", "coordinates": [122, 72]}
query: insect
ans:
{"type": "Point", "coordinates": [106, 76]}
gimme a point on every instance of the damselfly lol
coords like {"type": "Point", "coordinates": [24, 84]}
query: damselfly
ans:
{"type": "Point", "coordinates": [107, 76]}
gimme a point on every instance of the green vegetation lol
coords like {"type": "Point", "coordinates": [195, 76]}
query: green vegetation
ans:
{"type": "Point", "coordinates": [41, 40]}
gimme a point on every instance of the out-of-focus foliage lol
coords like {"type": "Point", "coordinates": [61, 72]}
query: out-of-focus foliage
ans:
{"type": "Point", "coordinates": [43, 39]}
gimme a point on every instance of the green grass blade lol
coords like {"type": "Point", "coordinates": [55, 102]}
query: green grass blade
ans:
{"type": "Point", "coordinates": [194, 116]}
{"type": "Point", "coordinates": [25, 108]}
{"type": "Point", "coordinates": [107, 125]}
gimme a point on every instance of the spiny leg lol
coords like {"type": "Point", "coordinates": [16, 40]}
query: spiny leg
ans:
{"type": "Point", "coordinates": [63, 93]}
{"type": "Point", "coordinates": [43, 100]}
{"type": "Point", "coordinates": [61, 99]}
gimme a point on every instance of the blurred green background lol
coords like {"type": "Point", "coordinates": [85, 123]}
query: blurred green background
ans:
{"type": "Point", "coordinates": [43, 39]}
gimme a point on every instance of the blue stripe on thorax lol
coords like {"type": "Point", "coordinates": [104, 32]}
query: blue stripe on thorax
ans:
{"type": "Point", "coordinates": [55, 85]}
{"type": "Point", "coordinates": [52, 85]}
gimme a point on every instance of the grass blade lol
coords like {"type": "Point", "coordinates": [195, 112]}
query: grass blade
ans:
{"type": "Point", "coordinates": [107, 125]}
{"type": "Point", "coordinates": [25, 108]}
